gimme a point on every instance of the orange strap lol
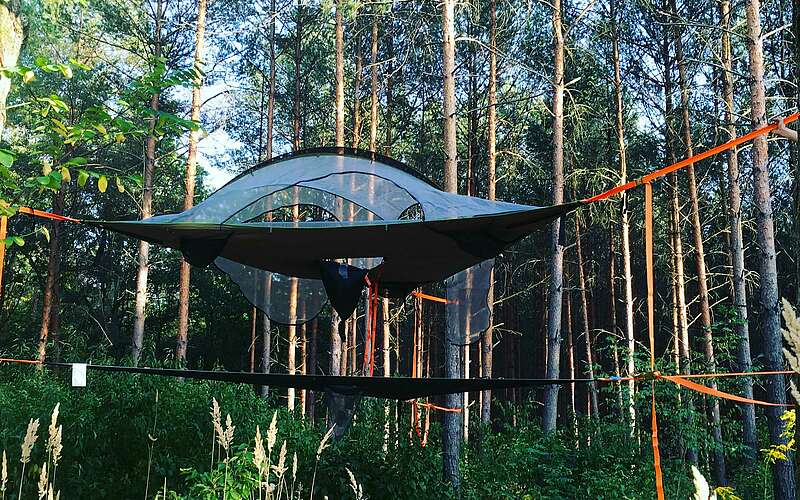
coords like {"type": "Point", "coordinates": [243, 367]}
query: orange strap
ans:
{"type": "Point", "coordinates": [737, 374]}
{"type": "Point", "coordinates": [432, 298]}
{"type": "Point", "coordinates": [20, 361]}
{"type": "Point", "coordinates": [716, 393]}
{"type": "Point", "coordinates": [648, 249]}
{"type": "Point", "coordinates": [699, 375]}
{"type": "Point", "coordinates": [46, 215]}
{"type": "Point", "coordinates": [692, 159]}
{"type": "Point", "coordinates": [440, 408]}
{"type": "Point", "coordinates": [656, 453]}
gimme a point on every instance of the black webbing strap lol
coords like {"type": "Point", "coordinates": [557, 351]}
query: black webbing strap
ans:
{"type": "Point", "coordinates": [400, 388]}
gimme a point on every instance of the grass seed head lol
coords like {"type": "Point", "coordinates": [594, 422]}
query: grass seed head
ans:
{"type": "Point", "coordinates": [259, 455]}
{"type": "Point", "coordinates": [43, 482]}
{"type": "Point", "coordinates": [272, 433]}
{"type": "Point", "coordinates": [4, 473]}
{"type": "Point", "coordinates": [324, 443]}
{"type": "Point", "coordinates": [30, 439]}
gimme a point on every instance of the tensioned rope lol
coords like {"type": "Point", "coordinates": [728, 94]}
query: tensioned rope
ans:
{"type": "Point", "coordinates": [691, 160]}
{"type": "Point", "coordinates": [404, 388]}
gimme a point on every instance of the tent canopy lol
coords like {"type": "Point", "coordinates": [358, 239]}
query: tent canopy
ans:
{"type": "Point", "coordinates": [272, 228]}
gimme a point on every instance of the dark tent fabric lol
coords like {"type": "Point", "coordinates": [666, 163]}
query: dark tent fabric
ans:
{"type": "Point", "coordinates": [273, 228]}
{"type": "Point", "coordinates": [399, 388]}
{"type": "Point", "coordinates": [413, 252]}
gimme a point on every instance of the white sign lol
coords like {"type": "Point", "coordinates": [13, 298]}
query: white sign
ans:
{"type": "Point", "coordinates": [78, 374]}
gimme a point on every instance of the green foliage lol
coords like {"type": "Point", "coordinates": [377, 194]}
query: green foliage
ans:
{"type": "Point", "coordinates": [107, 424]}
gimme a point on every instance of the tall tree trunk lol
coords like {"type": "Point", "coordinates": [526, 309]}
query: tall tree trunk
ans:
{"type": "Point", "coordinates": [451, 437]}
{"type": "Point", "coordinates": [585, 317]}
{"type": "Point", "coordinates": [783, 472]}
{"type": "Point", "coordinates": [50, 299]}
{"type": "Point", "coordinates": [296, 142]}
{"type": "Point", "coordinates": [12, 32]}
{"type": "Point", "coordinates": [373, 72]}
{"type": "Point", "coordinates": [312, 370]}
{"type": "Point", "coordinates": [191, 173]}
{"type": "Point", "coordinates": [336, 338]}
{"type": "Point", "coordinates": [572, 414]}
{"type": "Point", "coordinates": [612, 300]}
{"type": "Point", "coordinates": [555, 289]}
{"type": "Point", "coordinates": [700, 262]}
{"type": "Point", "coordinates": [266, 324]}
{"type": "Point", "coordinates": [487, 344]}
{"type": "Point", "coordinates": [387, 333]}
{"type": "Point", "coordinates": [676, 216]}
{"type": "Point", "coordinates": [357, 97]}
{"type": "Point", "coordinates": [630, 366]}
{"type": "Point", "coordinates": [143, 264]}
{"type": "Point", "coordinates": [11, 35]}
{"type": "Point", "coordinates": [303, 358]}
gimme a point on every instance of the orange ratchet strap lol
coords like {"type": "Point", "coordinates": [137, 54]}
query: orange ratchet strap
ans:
{"type": "Point", "coordinates": [648, 249]}
{"type": "Point", "coordinates": [46, 215]}
{"type": "Point", "coordinates": [20, 361]}
{"type": "Point", "coordinates": [432, 298]}
{"type": "Point", "coordinates": [692, 159]}
{"type": "Point", "coordinates": [680, 380]}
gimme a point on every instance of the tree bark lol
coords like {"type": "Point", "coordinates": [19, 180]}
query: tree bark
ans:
{"type": "Point", "coordinates": [11, 36]}
{"type": "Point", "coordinates": [585, 323]}
{"type": "Point", "coordinates": [555, 289]}
{"type": "Point", "coordinates": [741, 326]}
{"type": "Point", "coordinates": [677, 238]}
{"type": "Point", "coordinates": [50, 297]}
{"type": "Point", "coordinates": [296, 144]}
{"type": "Point", "coordinates": [783, 471]}
{"type": "Point", "coordinates": [630, 366]}
{"type": "Point", "coordinates": [336, 339]}
{"type": "Point", "coordinates": [266, 324]}
{"type": "Point", "coordinates": [700, 263]}
{"type": "Point", "coordinates": [340, 76]}
{"type": "Point", "coordinates": [373, 72]}
{"type": "Point", "coordinates": [572, 414]}
{"type": "Point", "coordinates": [487, 344]}
{"type": "Point", "coordinates": [143, 264]}
{"type": "Point", "coordinates": [451, 436]}
{"type": "Point", "coordinates": [191, 174]}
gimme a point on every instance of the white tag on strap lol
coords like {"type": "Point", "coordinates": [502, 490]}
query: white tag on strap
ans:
{"type": "Point", "coordinates": [78, 374]}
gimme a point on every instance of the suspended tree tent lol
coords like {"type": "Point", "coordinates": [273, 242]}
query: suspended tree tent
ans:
{"type": "Point", "coordinates": [320, 224]}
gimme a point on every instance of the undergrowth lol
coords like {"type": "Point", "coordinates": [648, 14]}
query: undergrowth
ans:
{"type": "Point", "coordinates": [131, 436]}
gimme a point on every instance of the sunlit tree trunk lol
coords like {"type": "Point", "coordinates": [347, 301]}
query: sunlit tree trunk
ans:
{"type": "Point", "coordinates": [11, 35]}
{"type": "Point", "coordinates": [570, 351]}
{"type": "Point", "coordinates": [191, 173]}
{"type": "Point", "coordinates": [585, 323]}
{"type": "Point", "coordinates": [700, 263]}
{"type": "Point", "coordinates": [487, 343]}
{"type": "Point", "coordinates": [783, 472]}
{"type": "Point", "coordinates": [143, 264]}
{"type": "Point", "coordinates": [555, 290]}
{"type": "Point", "coordinates": [311, 369]}
{"type": "Point", "coordinates": [612, 300]}
{"type": "Point", "coordinates": [676, 218]}
{"type": "Point", "coordinates": [373, 72]}
{"type": "Point", "coordinates": [627, 275]}
{"type": "Point", "coordinates": [266, 325]}
{"type": "Point", "coordinates": [336, 338]}
{"type": "Point", "coordinates": [386, 330]}
{"type": "Point", "coordinates": [50, 296]}
{"type": "Point", "coordinates": [303, 357]}
{"type": "Point", "coordinates": [292, 329]}
{"type": "Point", "coordinates": [451, 436]}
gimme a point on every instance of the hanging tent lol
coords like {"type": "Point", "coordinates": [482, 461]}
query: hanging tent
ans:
{"type": "Point", "coordinates": [312, 225]}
